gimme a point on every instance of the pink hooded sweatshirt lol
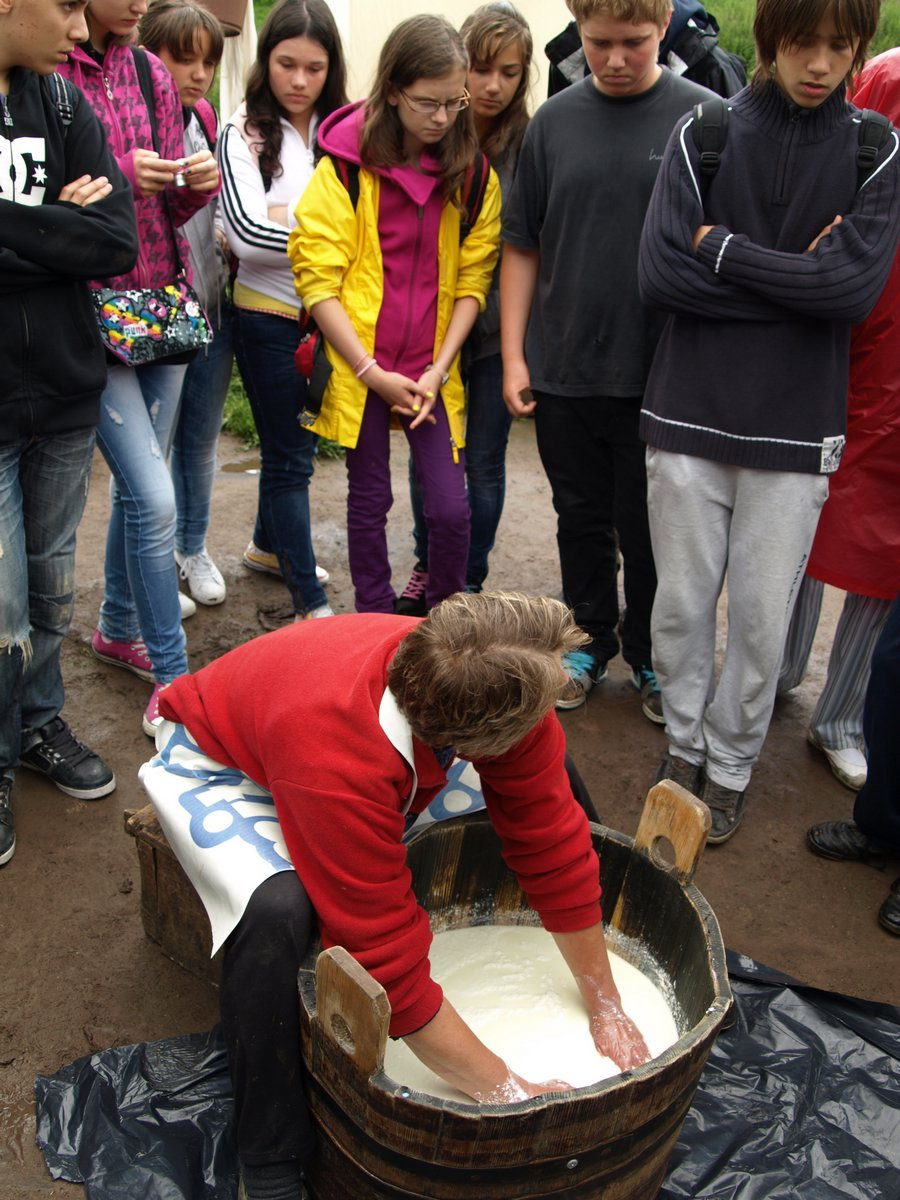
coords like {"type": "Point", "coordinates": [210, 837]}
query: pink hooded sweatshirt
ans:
{"type": "Point", "coordinates": [409, 215]}
{"type": "Point", "coordinates": [115, 95]}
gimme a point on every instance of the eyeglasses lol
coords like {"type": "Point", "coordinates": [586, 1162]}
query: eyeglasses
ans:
{"type": "Point", "coordinates": [432, 107]}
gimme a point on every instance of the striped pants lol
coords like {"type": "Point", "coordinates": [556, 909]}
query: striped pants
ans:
{"type": "Point", "coordinates": [837, 721]}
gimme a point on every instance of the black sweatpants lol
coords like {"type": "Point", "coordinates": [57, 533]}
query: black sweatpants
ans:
{"type": "Point", "coordinates": [877, 807]}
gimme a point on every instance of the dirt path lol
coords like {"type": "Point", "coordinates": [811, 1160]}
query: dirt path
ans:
{"type": "Point", "coordinates": [77, 973]}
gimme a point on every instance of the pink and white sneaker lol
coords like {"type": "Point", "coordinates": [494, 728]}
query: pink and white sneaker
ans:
{"type": "Point", "coordinates": [152, 718]}
{"type": "Point", "coordinates": [132, 656]}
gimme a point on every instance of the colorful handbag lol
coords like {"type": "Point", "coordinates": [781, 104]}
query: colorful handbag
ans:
{"type": "Point", "coordinates": [141, 325]}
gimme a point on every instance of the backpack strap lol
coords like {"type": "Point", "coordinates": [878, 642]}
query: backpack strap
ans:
{"type": "Point", "coordinates": [63, 98]}
{"type": "Point", "coordinates": [206, 119]}
{"type": "Point", "coordinates": [874, 131]}
{"type": "Point", "coordinates": [710, 131]}
{"type": "Point", "coordinates": [348, 173]}
{"type": "Point", "coordinates": [145, 83]}
{"type": "Point", "coordinates": [472, 194]}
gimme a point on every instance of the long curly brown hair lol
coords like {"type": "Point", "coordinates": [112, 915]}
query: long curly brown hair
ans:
{"type": "Point", "coordinates": [290, 19]}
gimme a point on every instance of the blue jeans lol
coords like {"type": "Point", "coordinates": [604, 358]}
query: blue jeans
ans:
{"type": "Point", "coordinates": [138, 411]}
{"type": "Point", "coordinates": [264, 347]}
{"type": "Point", "coordinates": [487, 432]}
{"type": "Point", "coordinates": [193, 459]}
{"type": "Point", "coordinates": [43, 487]}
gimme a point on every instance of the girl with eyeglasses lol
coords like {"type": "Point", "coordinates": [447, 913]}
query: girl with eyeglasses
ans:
{"type": "Point", "coordinates": [395, 285]}
{"type": "Point", "coordinates": [500, 49]}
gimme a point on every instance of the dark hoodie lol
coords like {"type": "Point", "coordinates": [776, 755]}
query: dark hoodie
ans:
{"type": "Point", "coordinates": [51, 360]}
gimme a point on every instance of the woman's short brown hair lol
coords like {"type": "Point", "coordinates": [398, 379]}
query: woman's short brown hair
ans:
{"type": "Point", "coordinates": [176, 25]}
{"type": "Point", "coordinates": [482, 670]}
{"type": "Point", "coordinates": [781, 23]}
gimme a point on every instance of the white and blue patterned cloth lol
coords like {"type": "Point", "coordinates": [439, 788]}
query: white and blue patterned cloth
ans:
{"type": "Point", "coordinates": [224, 830]}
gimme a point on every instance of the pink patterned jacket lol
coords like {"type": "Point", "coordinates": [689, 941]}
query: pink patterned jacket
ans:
{"type": "Point", "coordinates": [115, 95]}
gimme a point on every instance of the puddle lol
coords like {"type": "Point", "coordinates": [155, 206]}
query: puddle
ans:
{"type": "Point", "coordinates": [247, 466]}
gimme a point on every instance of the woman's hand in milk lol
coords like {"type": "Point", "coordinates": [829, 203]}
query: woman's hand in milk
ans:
{"type": "Point", "coordinates": [615, 1034]}
{"type": "Point", "coordinates": [514, 1088]}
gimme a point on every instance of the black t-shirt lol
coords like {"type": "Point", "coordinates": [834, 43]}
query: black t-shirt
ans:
{"type": "Point", "coordinates": [585, 173]}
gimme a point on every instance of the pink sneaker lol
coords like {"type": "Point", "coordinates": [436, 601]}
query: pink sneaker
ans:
{"type": "Point", "coordinates": [152, 719]}
{"type": "Point", "coordinates": [132, 656]}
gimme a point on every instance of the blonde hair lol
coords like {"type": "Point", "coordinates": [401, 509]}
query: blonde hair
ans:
{"type": "Point", "coordinates": [635, 11]}
{"type": "Point", "coordinates": [482, 670]}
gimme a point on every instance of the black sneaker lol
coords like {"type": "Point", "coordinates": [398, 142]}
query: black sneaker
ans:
{"type": "Point", "coordinates": [889, 913]}
{"type": "Point", "coordinates": [411, 601]}
{"type": "Point", "coordinates": [726, 807]}
{"type": "Point", "coordinates": [643, 679]}
{"type": "Point", "coordinates": [7, 831]}
{"type": "Point", "coordinates": [58, 754]}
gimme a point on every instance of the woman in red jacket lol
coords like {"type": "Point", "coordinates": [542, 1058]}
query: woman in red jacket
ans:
{"type": "Point", "coordinates": [345, 762]}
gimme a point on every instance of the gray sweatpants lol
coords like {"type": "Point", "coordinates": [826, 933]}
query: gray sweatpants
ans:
{"type": "Point", "coordinates": [708, 519]}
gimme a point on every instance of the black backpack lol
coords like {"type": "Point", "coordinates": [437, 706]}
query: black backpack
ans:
{"type": "Point", "coordinates": [709, 130]}
{"type": "Point", "coordinates": [697, 46]}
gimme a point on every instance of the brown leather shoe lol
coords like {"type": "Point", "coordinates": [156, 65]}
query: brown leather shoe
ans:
{"type": "Point", "coordinates": [844, 841]}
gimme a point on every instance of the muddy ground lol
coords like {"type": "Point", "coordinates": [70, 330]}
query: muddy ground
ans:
{"type": "Point", "coordinates": [77, 973]}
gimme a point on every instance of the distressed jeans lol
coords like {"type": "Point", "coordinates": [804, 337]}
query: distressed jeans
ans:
{"type": "Point", "coordinates": [43, 487]}
{"type": "Point", "coordinates": [138, 411]}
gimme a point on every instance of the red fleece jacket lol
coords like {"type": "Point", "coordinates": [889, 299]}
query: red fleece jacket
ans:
{"type": "Point", "coordinates": [297, 711]}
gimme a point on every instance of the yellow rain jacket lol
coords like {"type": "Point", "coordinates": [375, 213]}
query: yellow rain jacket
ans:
{"type": "Point", "coordinates": [335, 253]}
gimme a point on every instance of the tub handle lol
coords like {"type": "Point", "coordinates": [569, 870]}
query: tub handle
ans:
{"type": "Point", "coordinates": [352, 1010]}
{"type": "Point", "coordinates": [672, 812]}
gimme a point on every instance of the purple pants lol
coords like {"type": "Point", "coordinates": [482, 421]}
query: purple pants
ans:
{"type": "Point", "coordinates": [443, 485]}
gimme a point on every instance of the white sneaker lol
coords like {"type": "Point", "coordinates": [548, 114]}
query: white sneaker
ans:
{"type": "Point", "coordinates": [324, 610]}
{"type": "Point", "coordinates": [204, 579]}
{"type": "Point", "coordinates": [188, 607]}
{"type": "Point", "coordinates": [321, 574]}
{"type": "Point", "coordinates": [848, 765]}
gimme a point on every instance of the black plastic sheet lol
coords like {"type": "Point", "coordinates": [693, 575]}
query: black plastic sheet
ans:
{"type": "Point", "coordinates": [799, 1100]}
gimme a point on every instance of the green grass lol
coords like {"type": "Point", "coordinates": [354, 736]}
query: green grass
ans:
{"type": "Point", "coordinates": [735, 19]}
